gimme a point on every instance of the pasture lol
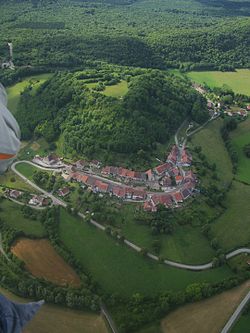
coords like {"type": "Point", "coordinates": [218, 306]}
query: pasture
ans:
{"type": "Point", "coordinates": [61, 319]}
{"type": "Point", "coordinates": [28, 170]}
{"type": "Point", "coordinates": [186, 244]}
{"type": "Point", "coordinates": [11, 214]}
{"type": "Point", "coordinates": [232, 228]}
{"type": "Point", "coordinates": [240, 138]}
{"type": "Point", "coordinates": [238, 81]}
{"type": "Point", "coordinates": [117, 269]}
{"type": "Point", "coordinates": [208, 316]}
{"type": "Point", "coordinates": [118, 90]}
{"type": "Point", "coordinates": [14, 91]}
{"type": "Point", "coordinates": [214, 149]}
{"type": "Point", "coordinates": [42, 261]}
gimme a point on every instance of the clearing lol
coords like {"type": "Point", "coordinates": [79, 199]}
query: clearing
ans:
{"type": "Point", "coordinates": [14, 91]}
{"type": "Point", "coordinates": [62, 320]}
{"type": "Point", "coordinates": [208, 316]}
{"type": "Point", "coordinates": [238, 81]}
{"type": "Point", "coordinates": [42, 261]}
{"type": "Point", "coordinates": [118, 90]}
{"type": "Point", "coordinates": [240, 138]}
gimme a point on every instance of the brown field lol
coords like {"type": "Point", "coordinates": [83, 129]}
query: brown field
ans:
{"type": "Point", "coordinates": [42, 261]}
{"type": "Point", "coordinates": [207, 316]}
{"type": "Point", "coordinates": [61, 320]}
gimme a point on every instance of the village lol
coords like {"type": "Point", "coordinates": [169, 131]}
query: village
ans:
{"type": "Point", "coordinates": [169, 184]}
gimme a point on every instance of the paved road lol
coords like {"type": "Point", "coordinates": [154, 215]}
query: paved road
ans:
{"type": "Point", "coordinates": [55, 200]}
{"type": "Point", "coordinates": [232, 320]}
{"type": "Point", "coordinates": [133, 246]}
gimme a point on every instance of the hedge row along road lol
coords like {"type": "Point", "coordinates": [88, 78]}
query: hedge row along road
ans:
{"type": "Point", "coordinates": [133, 246]}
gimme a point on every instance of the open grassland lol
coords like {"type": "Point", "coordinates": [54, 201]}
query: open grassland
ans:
{"type": "Point", "coordinates": [214, 149]}
{"type": "Point", "coordinates": [232, 228]}
{"type": "Point", "coordinates": [186, 244]}
{"type": "Point", "coordinates": [14, 91]}
{"type": "Point", "coordinates": [28, 170]}
{"type": "Point", "coordinates": [243, 324]}
{"type": "Point", "coordinates": [57, 319]}
{"type": "Point", "coordinates": [207, 316]}
{"type": "Point", "coordinates": [240, 138]}
{"type": "Point", "coordinates": [118, 90]}
{"type": "Point", "coordinates": [41, 260]}
{"type": "Point", "coordinates": [11, 180]}
{"type": "Point", "coordinates": [11, 214]}
{"type": "Point", "coordinates": [238, 81]}
{"type": "Point", "coordinates": [117, 269]}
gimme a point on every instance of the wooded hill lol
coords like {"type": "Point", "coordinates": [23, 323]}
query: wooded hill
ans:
{"type": "Point", "coordinates": [90, 122]}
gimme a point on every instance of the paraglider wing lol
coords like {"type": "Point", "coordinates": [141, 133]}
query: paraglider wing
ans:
{"type": "Point", "coordinates": [9, 133]}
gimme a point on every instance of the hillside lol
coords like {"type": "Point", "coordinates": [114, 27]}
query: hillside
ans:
{"type": "Point", "coordinates": [91, 122]}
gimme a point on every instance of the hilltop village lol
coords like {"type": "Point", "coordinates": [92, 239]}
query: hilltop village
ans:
{"type": "Point", "coordinates": [170, 183]}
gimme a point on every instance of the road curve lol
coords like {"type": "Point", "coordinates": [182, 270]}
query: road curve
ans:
{"type": "Point", "coordinates": [133, 246]}
{"type": "Point", "coordinates": [232, 320]}
{"type": "Point", "coordinates": [55, 200]}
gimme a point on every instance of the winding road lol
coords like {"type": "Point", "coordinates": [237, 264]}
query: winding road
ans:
{"type": "Point", "coordinates": [133, 246]}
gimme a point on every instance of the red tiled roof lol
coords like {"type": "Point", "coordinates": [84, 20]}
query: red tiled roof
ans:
{"type": "Point", "coordinates": [177, 196]}
{"type": "Point", "coordinates": [162, 168]}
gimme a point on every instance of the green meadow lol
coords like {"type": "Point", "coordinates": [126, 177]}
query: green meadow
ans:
{"type": "Point", "coordinates": [11, 214]}
{"type": "Point", "coordinates": [240, 138]}
{"type": "Point", "coordinates": [118, 90]}
{"type": "Point", "coordinates": [14, 91]}
{"type": "Point", "coordinates": [238, 81]}
{"type": "Point", "coordinates": [118, 269]}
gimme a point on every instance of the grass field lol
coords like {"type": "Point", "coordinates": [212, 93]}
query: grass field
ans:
{"type": "Point", "coordinates": [11, 213]}
{"type": "Point", "coordinates": [232, 228]}
{"type": "Point", "coordinates": [117, 269]}
{"type": "Point", "coordinates": [238, 81]}
{"type": "Point", "coordinates": [15, 90]}
{"type": "Point", "coordinates": [41, 260]}
{"type": "Point", "coordinates": [28, 170]}
{"type": "Point", "coordinates": [10, 179]}
{"type": "Point", "coordinates": [213, 147]}
{"type": "Point", "coordinates": [57, 319]}
{"type": "Point", "coordinates": [118, 90]}
{"type": "Point", "coordinates": [207, 316]}
{"type": "Point", "coordinates": [240, 138]}
{"type": "Point", "coordinates": [186, 244]}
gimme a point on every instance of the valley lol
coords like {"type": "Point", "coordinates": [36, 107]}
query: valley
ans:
{"type": "Point", "coordinates": [127, 206]}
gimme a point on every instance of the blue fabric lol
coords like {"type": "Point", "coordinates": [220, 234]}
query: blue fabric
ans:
{"type": "Point", "coordinates": [14, 316]}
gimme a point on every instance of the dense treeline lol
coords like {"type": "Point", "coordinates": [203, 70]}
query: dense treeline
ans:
{"type": "Point", "coordinates": [90, 122]}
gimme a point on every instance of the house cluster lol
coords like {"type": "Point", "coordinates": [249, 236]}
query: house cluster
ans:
{"type": "Point", "coordinates": [236, 113]}
{"type": "Point", "coordinates": [123, 174]}
{"type": "Point", "coordinates": [174, 198]}
{"type": "Point", "coordinates": [99, 186]}
{"type": "Point", "coordinates": [173, 178]}
{"type": "Point", "coordinates": [39, 201]}
{"type": "Point", "coordinates": [50, 161]}
{"type": "Point", "coordinates": [13, 194]}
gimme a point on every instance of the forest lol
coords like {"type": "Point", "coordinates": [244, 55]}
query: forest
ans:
{"type": "Point", "coordinates": [181, 34]}
{"type": "Point", "coordinates": [91, 122]}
